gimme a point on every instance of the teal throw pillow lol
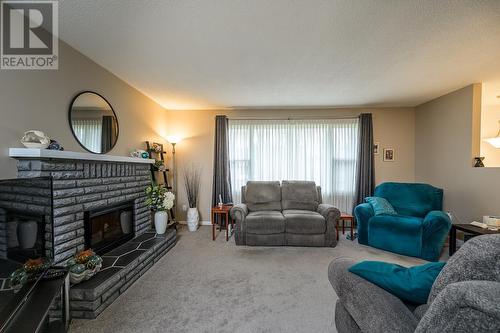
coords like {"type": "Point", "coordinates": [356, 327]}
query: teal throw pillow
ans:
{"type": "Point", "coordinates": [409, 284]}
{"type": "Point", "coordinates": [381, 206]}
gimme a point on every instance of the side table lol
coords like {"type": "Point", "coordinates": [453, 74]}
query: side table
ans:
{"type": "Point", "coordinates": [469, 229]}
{"type": "Point", "coordinates": [223, 212]}
{"type": "Point", "coordinates": [343, 218]}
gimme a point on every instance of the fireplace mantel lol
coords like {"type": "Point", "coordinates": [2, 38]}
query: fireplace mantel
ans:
{"type": "Point", "coordinates": [35, 153]}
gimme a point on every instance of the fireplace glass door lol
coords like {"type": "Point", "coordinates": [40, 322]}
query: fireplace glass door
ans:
{"type": "Point", "coordinates": [108, 228]}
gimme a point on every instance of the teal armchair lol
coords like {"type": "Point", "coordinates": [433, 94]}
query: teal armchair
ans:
{"type": "Point", "coordinates": [419, 229]}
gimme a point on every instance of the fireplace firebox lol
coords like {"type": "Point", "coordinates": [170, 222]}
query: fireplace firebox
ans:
{"type": "Point", "coordinates": [109, 227]}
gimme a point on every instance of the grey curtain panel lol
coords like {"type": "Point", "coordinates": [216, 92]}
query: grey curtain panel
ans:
{"type": "Point", "coordinates": [222, 174]}
{"type": "Point", "coordinates": [365, 175]}
{"type": "Point", "coordinates": [108, 133]}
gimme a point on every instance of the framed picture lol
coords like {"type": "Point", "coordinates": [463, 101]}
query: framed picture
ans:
{"type": "Point", "coordinates": [376, 150]}
{"type": "Point", "coordinates": [388, 154]}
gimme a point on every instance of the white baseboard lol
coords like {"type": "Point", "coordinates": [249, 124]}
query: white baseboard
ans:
{"type": "Point", "coordinates": [201, 222]}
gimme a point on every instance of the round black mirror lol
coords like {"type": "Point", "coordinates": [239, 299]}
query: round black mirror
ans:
{"type": "Point", "coordinates": [93, 122]}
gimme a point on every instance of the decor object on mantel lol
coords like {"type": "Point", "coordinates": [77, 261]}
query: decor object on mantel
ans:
{"type": "Point", "coordinates": [35, 139]}
{"type": "Point", "coordinates": [192, 185]}
{"type": "Point", "coordinates": [54, 145]}
{"type": "Point", "coordinates": [139, 153]}
{"type": "Point", "coordinates": [83, 266]}
{"type": "Point", "coordinates": [160, 200]}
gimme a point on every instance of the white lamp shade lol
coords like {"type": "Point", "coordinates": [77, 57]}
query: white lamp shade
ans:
{"type": "Point", "coordinates": [495, 142]}
{"type": "Point", "coordinates": [174, 139]}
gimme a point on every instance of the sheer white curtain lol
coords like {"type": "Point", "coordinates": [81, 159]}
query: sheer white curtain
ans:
{"type": "Point", "coordinates": [89, 132]}
{"type": "Point", "coordinates": [324, 151]}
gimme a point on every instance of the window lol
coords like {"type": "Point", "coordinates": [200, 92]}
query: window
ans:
{"type": "Point", "coordinates": [324, 151]}
{"type": "Point", "coordinates": [89, 132]}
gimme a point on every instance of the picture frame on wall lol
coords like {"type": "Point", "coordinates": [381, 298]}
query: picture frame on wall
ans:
{"type": "Point", "coordinates": [376, 150]}
{"type": "Point", "coordinates": [389, 155]}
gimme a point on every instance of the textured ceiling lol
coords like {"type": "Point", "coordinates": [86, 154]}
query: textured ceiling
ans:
{"type": "Point", "coordinates": [190, 54]}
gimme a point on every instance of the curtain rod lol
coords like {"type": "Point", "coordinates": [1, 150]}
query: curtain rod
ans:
{"type": "Point", "coordinates": [295, 118]}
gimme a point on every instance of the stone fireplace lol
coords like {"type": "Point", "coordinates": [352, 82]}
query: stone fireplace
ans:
{"type": "Point", "coordinates": [98, 202]}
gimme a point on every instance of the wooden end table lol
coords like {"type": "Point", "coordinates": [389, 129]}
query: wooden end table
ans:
{"type": "Point", "coordinates": [343, 218]}
{"type": "Point", "coordinates": [223, 212]}
{"type": "Point", "coordinates": [469, 229]}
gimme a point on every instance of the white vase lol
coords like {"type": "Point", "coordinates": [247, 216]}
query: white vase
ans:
{"type": "Point", "coordinates": [26, 234]}
{"type": "Point", "coordinates": [161, 219]}
{"type": "Point", "coordinates": [126, 221]}
{"type": "Point", "coordinates": [12, 234]}
{"type": "Point", "coordinates": [192, 219]}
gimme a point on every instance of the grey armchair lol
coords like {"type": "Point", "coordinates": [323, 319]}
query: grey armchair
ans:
{"type": "Point", "coordinates": [290, 214]}
{"type": "Point", "coordinates": [464, 298]}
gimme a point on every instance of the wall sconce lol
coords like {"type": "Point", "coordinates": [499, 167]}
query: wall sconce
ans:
{"type": "Point", "coordinates": [495, 141]}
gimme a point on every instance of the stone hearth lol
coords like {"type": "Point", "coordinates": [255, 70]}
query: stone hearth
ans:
{"type": "Point", "coordinates": [121, 268]}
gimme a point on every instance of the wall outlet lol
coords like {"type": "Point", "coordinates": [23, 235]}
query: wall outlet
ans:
{"type": "Point", "coordinates": [184, 208]}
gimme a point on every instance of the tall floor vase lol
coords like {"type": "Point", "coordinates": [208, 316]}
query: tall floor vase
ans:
{"type": "Point", "coordinates": [192, 219]}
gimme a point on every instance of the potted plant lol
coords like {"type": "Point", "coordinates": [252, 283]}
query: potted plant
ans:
{"type": "Point", "coordinates": [192, 186]}
{"type": "Point", "coordinates": [159, 200]}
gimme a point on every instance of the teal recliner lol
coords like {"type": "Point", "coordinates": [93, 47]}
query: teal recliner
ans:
{"type": "Point", "coordinates": [419, 229]}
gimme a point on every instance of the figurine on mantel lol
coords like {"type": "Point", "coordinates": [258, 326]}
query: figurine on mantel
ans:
{"type": "Point", "coordinates": [54, 145]}
{"type": "Point", "coordinates": [139, 153]}
{"type": "Point", "coordinates": [35, 139]}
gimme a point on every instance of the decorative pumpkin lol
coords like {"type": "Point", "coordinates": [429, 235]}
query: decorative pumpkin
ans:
{"type": "Point", "coordinates": [77, 269]}
{"type": "Point", "coordinates": [83, 256]}
{"type": "Point", "coordinates": [30, 269]}
{"type": "Point", "coordinates": [93, 262]}
{"type": "Point", "coordinates": [83, 266]}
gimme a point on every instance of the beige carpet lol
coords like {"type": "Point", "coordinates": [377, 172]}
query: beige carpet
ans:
{"type": "Point", "coordinates": [206, 286]}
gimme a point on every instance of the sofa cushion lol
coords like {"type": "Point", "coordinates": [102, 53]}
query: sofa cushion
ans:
{"type": "Point", "coordinates": [265, 222]}
{"type": "Point", "coordinates": [381, 206]}
{"type": "Point", "coordinates": [396, 233]}
{"type": "Point", "coordinates": [263, 196]}
{"type": "Point", "coordinates": [411, 199]}
{"type": "Point", "coordinates": [304, 222]}
{"type": "Point", "coordinates": [299, 195]}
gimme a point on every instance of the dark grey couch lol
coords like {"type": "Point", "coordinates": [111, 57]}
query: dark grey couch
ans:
{"type": "Point", "coordinates": [464, 298]}
{"type": "Point", "coordinates": [290, 214]}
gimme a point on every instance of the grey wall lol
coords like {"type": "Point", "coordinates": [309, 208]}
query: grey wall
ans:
{"type": "Point", "coordinates": [446, 139]}
{"type": "Point", "coordinates": [40, 100]}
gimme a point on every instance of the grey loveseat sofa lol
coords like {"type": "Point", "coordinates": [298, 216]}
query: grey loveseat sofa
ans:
{"type": "Point", "coordinates": [464, 298]}
{"type": "Point", "coordinates": [288, 214]}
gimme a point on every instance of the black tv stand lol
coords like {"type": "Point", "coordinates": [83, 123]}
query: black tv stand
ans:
{"type": "Point", "coordinates": [28, 310]}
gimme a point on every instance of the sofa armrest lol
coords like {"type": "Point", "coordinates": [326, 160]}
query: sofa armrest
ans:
{"type": "Point", "coordinates": [238, 213]}
{"type": "Point", "coordinates": [372, 308]}
{"type": "Point", "coordinates": [435, 228]}
{"type": "Point", "coordinates": [331, 215]}
{"type": "Point", "coordinates": [363, 213]}
{"type": "Point", "coordinates": [466, 306]}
